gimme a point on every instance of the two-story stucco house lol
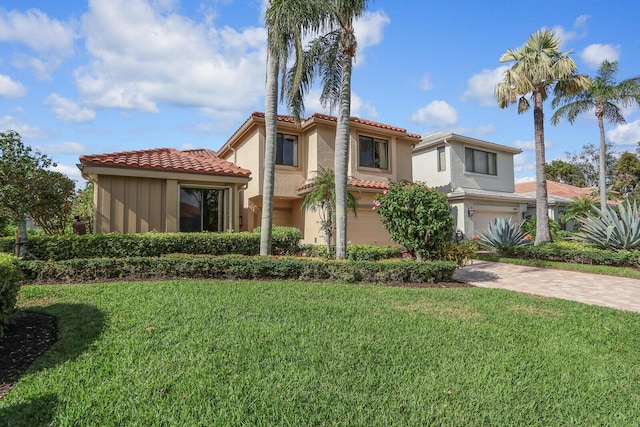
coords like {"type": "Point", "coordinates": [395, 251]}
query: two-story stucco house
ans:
{"type": "Point", "coordinates": [476, 175]}
{"type": "Point", "coordinates": [379, 153]}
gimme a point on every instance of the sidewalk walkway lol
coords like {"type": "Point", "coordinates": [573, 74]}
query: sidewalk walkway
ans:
{"type": "Point", "coordinates": [608, 291]}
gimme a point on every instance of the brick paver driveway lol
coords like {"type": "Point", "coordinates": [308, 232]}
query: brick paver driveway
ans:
{"type": "Point", "coordinates": [609, 291]}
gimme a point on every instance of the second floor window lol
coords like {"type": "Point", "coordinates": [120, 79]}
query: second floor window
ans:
{"type": "Point", "coordinates": [374, 153]}
{"type": "Point", "coordinates": [479, 161]}
{"type": "Point", "coordinates": [287, 150]}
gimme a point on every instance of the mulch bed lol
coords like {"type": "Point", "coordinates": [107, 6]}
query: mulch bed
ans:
{"type": "Point", "coordinates": [32, 333]}
{"type": "Point", "coordinates": [28, 337]}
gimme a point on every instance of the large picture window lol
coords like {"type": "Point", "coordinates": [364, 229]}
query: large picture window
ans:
{"type": "Point", "coordinates": [374, 153]}
{"type": "Point", "coordinates": [287, 150]}
{"type": "Point", "coordinates": [479, 161]}
{"type": "Point", "coordinates": [202, 210]}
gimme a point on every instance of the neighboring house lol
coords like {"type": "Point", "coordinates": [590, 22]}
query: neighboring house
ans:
{"type": "Point", "coordinates": [476, 175]}
{"type": "Point", "coordinates": [379, 153]}
{"type": "Point", "coordinates": [164, 190]}
{"type": "Point", "coordinates": [560, 196]}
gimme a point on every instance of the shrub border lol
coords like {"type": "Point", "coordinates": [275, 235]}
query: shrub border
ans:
{"type": "Point", "coordinates": [232, 267]}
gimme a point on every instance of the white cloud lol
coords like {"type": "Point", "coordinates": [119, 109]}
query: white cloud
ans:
{"type": "Point", "coordinates": [531, 144]}
{"type": "Point", "coordinates": [481, 86]}
{"type": "Point", "coordinates": [51, 40]}
{"type": "Point", "coordinates": [525, 145]}
{"type": "Point", "coordinates": [144, 56]}
{"type": "Point", "coordinates": [26, 131]}
{"type": "Point", "coordinates": [426, 83]}
{"type": "Point", "coordinates": [626, 134]}
{"type": "Point", "coordinates": [436, 114]}
{"type": "Point", "coordinates": [369, 28]}
{"type": "Point", "coordinates": [10, 88]}
{"type": "Point", "coordinates": [525, 179]}
{"type": "Point", "coordinates": [359, 107]}
{"type": "Point", "coordinates": [61, 148]}
{"type": "Point", "coordinates": [485, 130]}
{"type": "Point", "coordinates": [71, 171]}
{"type": "Point", "coordinates": [36, 30]}
{"type": "Point", "coordinates": [579, 30]}
{"type": "Point", "coordinates": [594, 54]}
{"type": "Point", "coordinates": [65, 109]}
{"type": "Point", "coordinates": [521, 163]}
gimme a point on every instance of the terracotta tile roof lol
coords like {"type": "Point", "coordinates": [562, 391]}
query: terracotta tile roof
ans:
{"type": "Point", "coordinates": [368, 123]}
{"type": "Point", "coordinates": [205, 152]}
{"type": "Point", "coordinates": [556, 189]}
{"type": "Point", "coordinates": [168, 159]}
{"type": "Point", "coordinates": [358, 183]}
{"type": "Point", "coordinates": [281, 118]}
{"type": "Point", "coordinates": [363, 183]}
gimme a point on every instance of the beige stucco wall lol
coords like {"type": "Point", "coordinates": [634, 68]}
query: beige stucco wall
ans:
{"type": "Point", "coordinates": [425, 168]}
{"type": "Point", "coordinates": [366, 228]}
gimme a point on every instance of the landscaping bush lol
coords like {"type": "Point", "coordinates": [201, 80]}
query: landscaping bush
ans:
{"type": "Point", "coordinates": [579, 253]}
{"type": "Point", "coordinates": [10, 276]}
{"type": "Point", "coordinates": [460, 253]}
{"type": "Point", "coordinates": [613, 228]}
{"type": "Point", "coordinates": [416, 217]}
{"type": "Point", "coordinates": [355, 252]}
{"type": "Point", "coordinates": [503, 236]}
{"type": "Point", "coordinates": [237, 267]}
{"type": "Point", "coordinates": [285, 241]}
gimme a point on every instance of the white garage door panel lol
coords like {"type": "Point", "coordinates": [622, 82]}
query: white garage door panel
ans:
{"type": "Point", "coordinates": [482, 219]}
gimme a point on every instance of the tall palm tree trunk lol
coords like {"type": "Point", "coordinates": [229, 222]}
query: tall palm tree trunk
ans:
{"type": "Point", "coordinates": [271, 120]}
{"type": "Point", "coordinates": [341, 161]}
{"type": "Point", "coordinates": [543, 234]}
{"type": "Point", "coordinates": [603, 165]}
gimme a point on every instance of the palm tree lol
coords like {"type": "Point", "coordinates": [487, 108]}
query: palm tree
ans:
{"type": "Point", "coordinates": [322, 199]}
{"type": "Point", "coordinates": [286, 21]}
{"type": "Point", "coordinates": [606, 97]}
{"type": "Point", "coordinates": [539, 66]}
{"type": "Point", "coordinates": [331, 56]}
{"type": "Point", "coordinates": [578, 209]}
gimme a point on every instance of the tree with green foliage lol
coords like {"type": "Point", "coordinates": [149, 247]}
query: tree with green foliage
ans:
{"type": "Point", "coordinates": [587, 161]}
{"type": "Point", "coordinates": [19, 168]}
{"type": "Point", "coordinates": [286, 22]}
{"type": "Point", "coordinates": [626, 174]}
{"type": "Point", "coordinates": [565, 173]}
{"type": "Point", "coordinates": [52, 201]}
{"type": "Point", "coordinates": [331, 56]}
{"type": "Point", "coordinates": [578, 209]}
{"type": "Point", "coordinates": [322, 199]}
{"type": "Point", "coordinates": [83, 205]}
{"type": "Point", "coordinates": [606, 97]}
{"type": "Point", "coordinates": [539, 67]}
{"type": "Point", "coordinates": [417, 217]}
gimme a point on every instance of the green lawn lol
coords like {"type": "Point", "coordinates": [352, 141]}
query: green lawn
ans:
{"type": "Point", "coordinates": [200, 353]}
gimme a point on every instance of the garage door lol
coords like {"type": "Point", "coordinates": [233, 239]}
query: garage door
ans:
{"type": "Point", "coordinates": [482, 219]}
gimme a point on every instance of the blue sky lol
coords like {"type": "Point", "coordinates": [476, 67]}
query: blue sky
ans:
{"type": "Point", "coordinates": [81, 77]}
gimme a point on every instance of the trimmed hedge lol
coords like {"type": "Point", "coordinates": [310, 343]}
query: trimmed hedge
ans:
{"type": "Point", "coordinates": [355, 252]}
{"type": "Point", "coordinates": [238, 267]}
{"type": "Point", "coordinates": [10, 276]}
{"type": "Point", "coordinates": [579, 253]}
{"type": "Point", "coordinates": [63, 247]}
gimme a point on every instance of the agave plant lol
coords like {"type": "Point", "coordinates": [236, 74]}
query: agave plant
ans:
{"type": "Point", "coordinates": [612, 228]}
{"type": "Point", "coordinates": [503, 236]}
